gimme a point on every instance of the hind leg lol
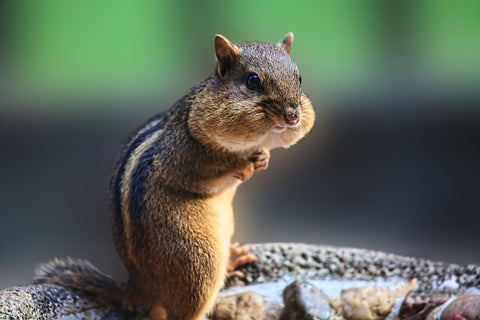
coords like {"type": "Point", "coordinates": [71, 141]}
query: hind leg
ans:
{"type": "Point", "coordinates": [238, 256]}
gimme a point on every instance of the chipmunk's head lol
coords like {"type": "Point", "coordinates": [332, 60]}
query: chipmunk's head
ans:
{"type": "Point", "coordinates": [254, 97]}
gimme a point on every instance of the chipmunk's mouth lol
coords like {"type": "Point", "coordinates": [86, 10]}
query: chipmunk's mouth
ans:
{"type": "Point", "coordinates": [279, 128]}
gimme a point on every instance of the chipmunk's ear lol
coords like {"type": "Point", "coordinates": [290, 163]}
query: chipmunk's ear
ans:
{"type": "Point", "coordinates": [287, 42]}
{"type": "Point", "coordinates": [226, 53]}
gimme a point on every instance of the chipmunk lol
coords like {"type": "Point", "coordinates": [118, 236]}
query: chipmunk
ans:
{"type": "Point", "coordinates": [173, 185]}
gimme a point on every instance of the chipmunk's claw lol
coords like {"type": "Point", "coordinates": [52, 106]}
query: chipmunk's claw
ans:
{"type": "Point", "coordinates": [260, 159]}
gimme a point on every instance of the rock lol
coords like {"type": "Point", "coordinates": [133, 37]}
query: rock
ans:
{"type": "Point", "coordinates": [247, 305]}
{"type": "Point", "coordinates": [51, 302]}
{"type": "Point", "coordinates": [275, 261]}
{"type": "Point", "coordinates": [225, 308]}
{"type": "Point", "coordinates": [304, 301]}
{"type": "Point", "coordinates": [418, 308]}
{"type": "Point", "coordinates": [370, 303]}
{"type": "Point", "coordinates": [279, 262]}
{"type": "Point", "coordinates": [366, 303]}
{"type": "Point", "coordinates": [467, 307]}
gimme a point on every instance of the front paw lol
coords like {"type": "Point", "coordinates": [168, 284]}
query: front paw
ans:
{"type": "Point", "coordinates": [246, 173]}
{"type": "Point", "coordinates": [260, 159]}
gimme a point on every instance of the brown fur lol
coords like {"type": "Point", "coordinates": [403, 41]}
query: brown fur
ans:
{"type": "Point", "coordinates": [173, 186]}
{"type": "Point", "coordinates": [80, 275]}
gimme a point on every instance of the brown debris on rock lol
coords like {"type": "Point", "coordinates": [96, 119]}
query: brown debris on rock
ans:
{"type": "Point", "coordinates": [247, 305]}
{"type": "Point", "coordinates": [418, 308]}
{"type": "Point", "coordinates": [369, 303]}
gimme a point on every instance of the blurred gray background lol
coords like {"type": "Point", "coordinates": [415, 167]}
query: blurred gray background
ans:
{"type": "Point", "coordinates": [393, 163]}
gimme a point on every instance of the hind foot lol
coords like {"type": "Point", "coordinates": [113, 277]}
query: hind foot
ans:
{"type": "Point", "coordinates": [238, 256]}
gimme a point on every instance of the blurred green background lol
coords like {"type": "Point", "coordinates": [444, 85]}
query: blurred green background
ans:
{"type": "Point", "coordinates": [393, 163]}
{"type": "Point", "coordinates": [106, 48]}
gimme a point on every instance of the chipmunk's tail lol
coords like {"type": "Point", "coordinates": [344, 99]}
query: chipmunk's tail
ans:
{"type": "Point", "coordinates": [79, 275]}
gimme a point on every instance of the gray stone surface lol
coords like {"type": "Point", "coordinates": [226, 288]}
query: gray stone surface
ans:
{"type": "Point", "coordinates": [303, 261]}
{"type": "Point", "coordinates": [303, 300]}
{"type": "Point", "coordinates": [45, 302]}
{"type": "Point", "coordinates": [276, 260]}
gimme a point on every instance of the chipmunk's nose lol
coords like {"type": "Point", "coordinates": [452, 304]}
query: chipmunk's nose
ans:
{"type": "Point", "coordinates": [292, 116]}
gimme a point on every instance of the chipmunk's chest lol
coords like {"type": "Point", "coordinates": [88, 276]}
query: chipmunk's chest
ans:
{"type": "Point", "coordinates": [220, 211]}
{"type": "Point", "coordinates": [221, 186]}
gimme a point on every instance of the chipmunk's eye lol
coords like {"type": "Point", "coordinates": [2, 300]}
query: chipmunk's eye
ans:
{"type": "Point", "coordinates": [253, 81]}
{"type": "Point", "coordinates": [300, 80]}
